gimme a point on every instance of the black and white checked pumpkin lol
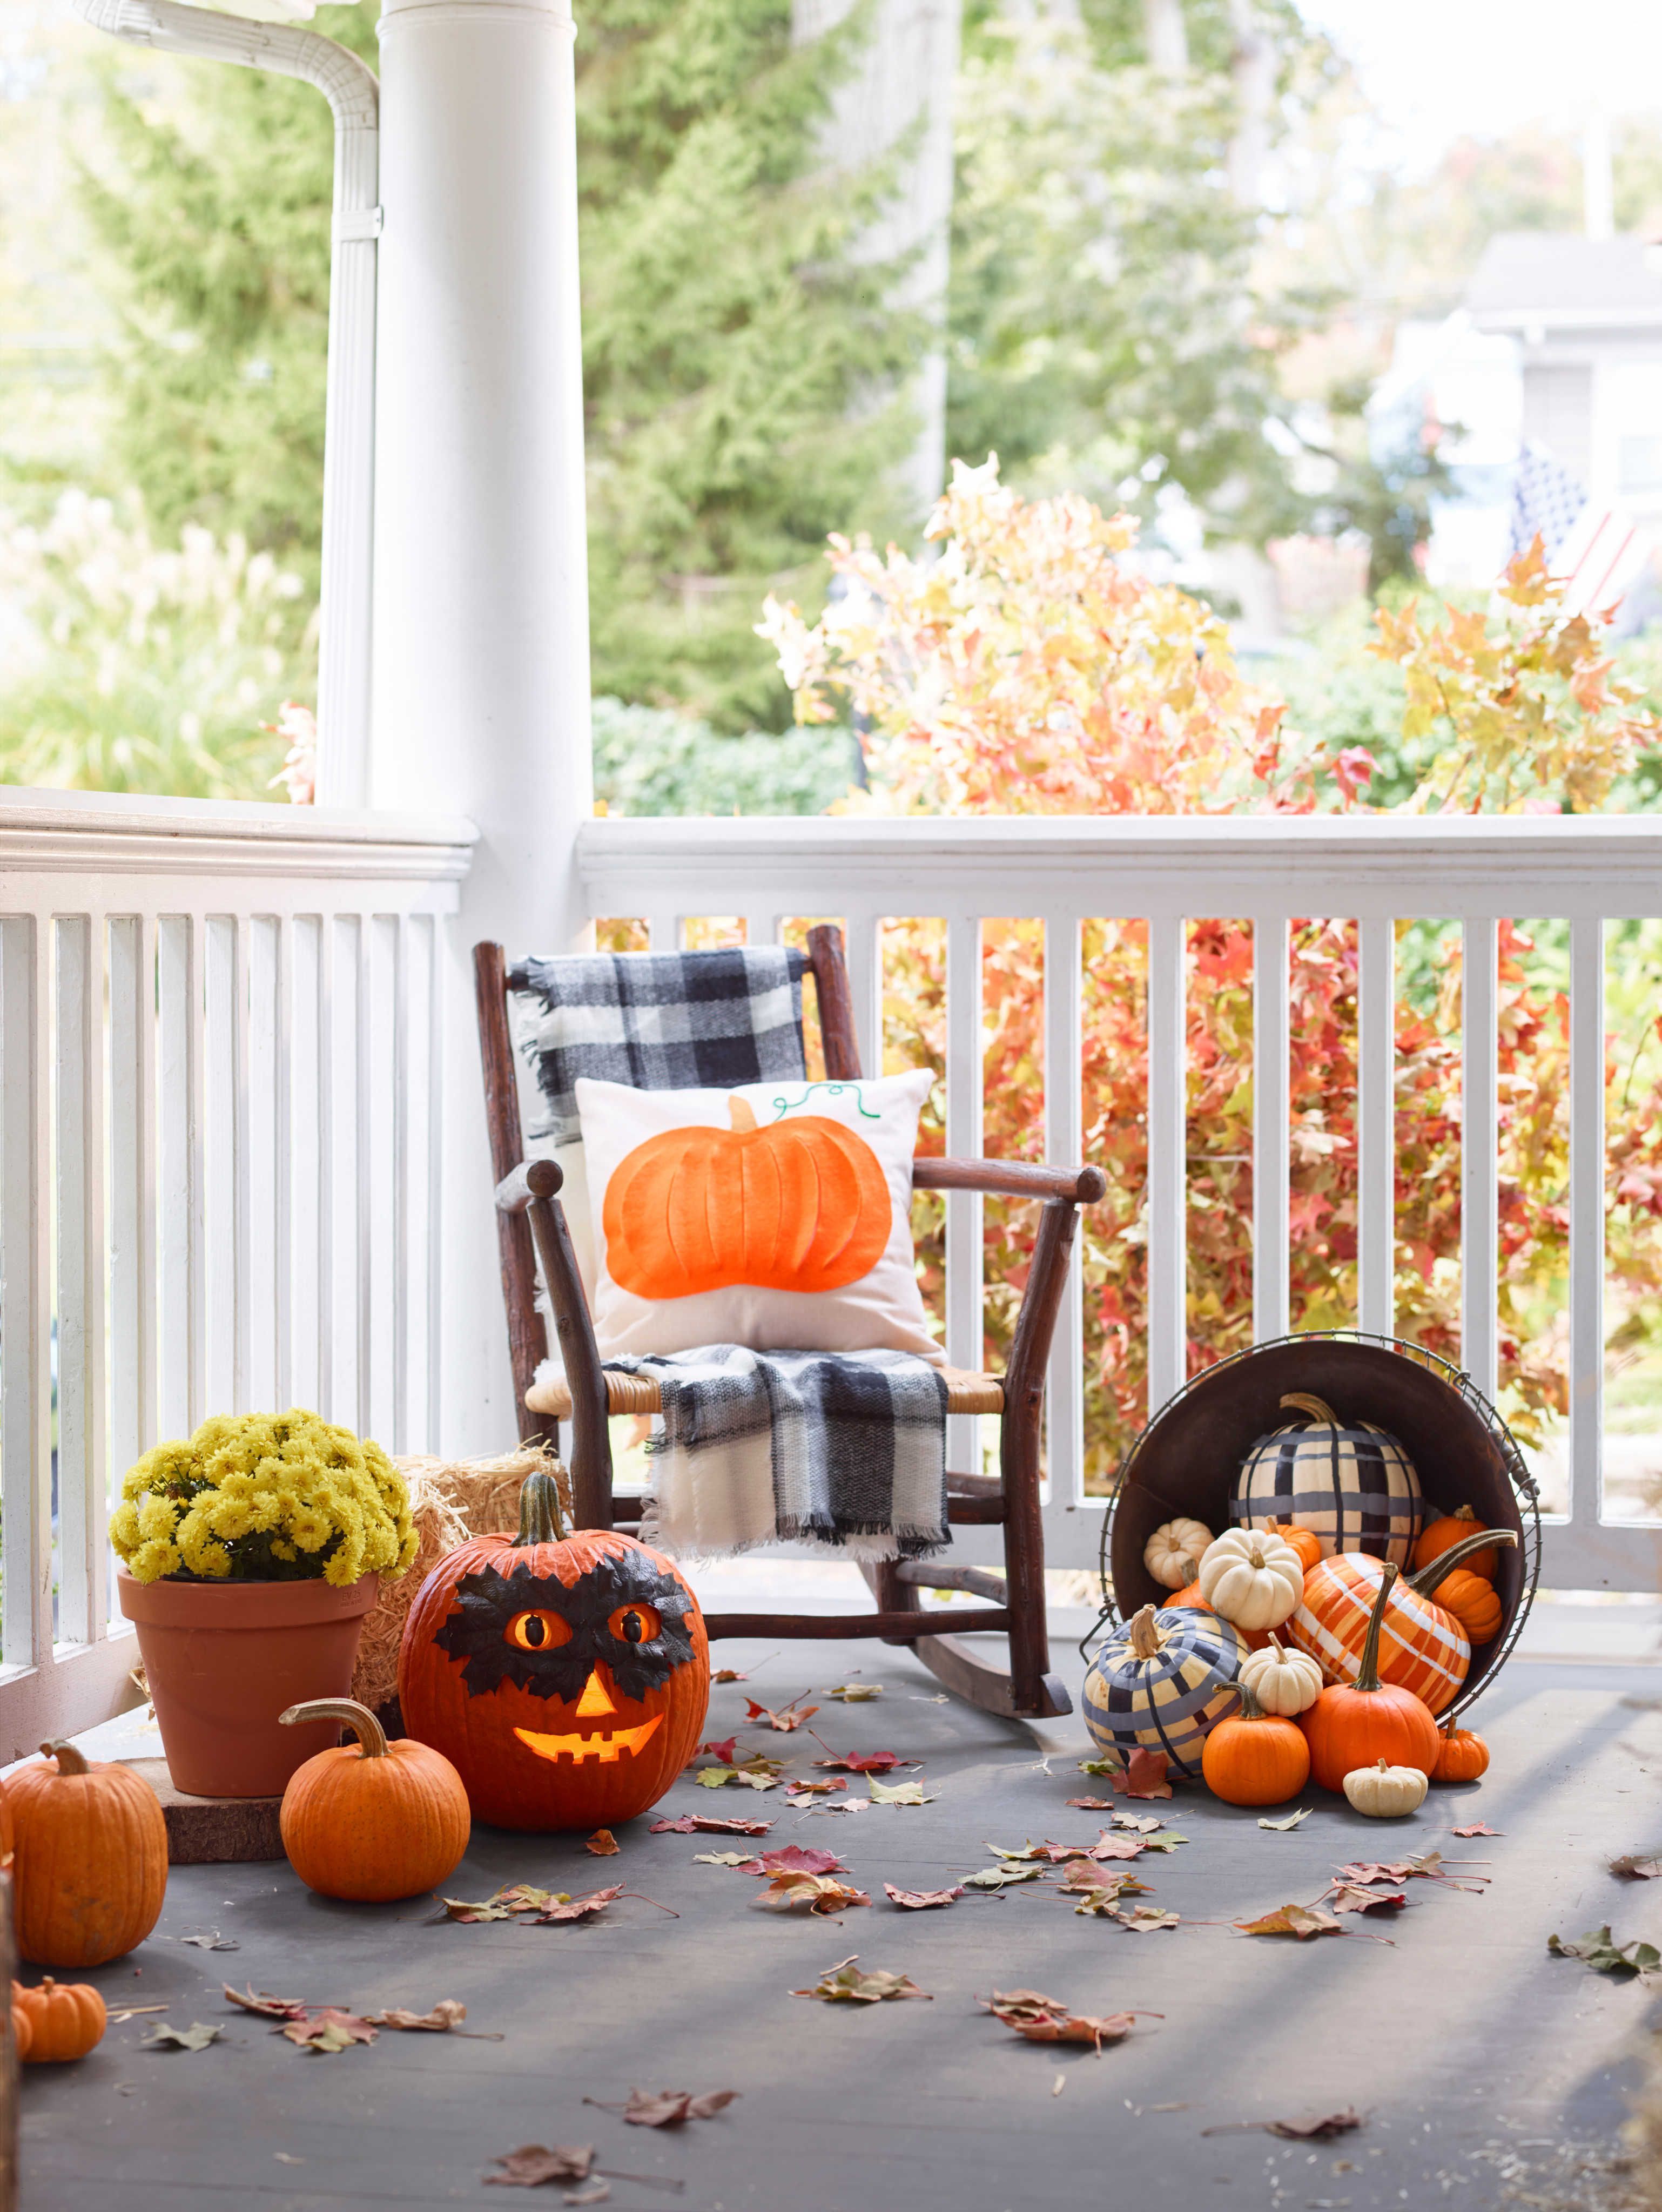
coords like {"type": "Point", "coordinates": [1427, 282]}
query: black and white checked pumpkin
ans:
{"type": "Point", "coordinates": [1351, 1484]}
{"type": "Point", "coordinates": [1161, 1682]}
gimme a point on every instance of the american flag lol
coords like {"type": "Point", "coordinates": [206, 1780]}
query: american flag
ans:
{"type": "Point", "coordinates": [1598, 549]}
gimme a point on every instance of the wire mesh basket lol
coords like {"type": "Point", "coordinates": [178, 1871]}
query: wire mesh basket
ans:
{"type": "Point", "coordinates": [1185, 1462]}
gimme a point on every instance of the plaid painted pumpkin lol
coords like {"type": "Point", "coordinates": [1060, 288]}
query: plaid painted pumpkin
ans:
{"type": "Point", "coordinates": [1422, 1648]}
{"type": "Point", "coordinates": [1161, 1682]}
{"type": "Point", "coordinates": [1352, 1485]}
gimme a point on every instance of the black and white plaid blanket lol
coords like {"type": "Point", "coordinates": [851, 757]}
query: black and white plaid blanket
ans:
{"type": "Point", "coordinates": [658, 1021]}
{"type": "Point", "coordinates": [843, 1450]}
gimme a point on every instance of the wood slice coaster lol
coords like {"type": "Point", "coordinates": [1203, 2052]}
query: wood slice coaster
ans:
{"type": "Point", "coordinates": [211, 1831]}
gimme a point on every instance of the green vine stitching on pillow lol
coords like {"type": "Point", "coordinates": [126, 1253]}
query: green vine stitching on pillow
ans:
{"type": "Point", "coordinates": [789, 1106]}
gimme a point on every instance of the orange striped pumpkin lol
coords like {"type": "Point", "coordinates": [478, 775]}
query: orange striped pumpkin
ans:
{"type": "Point", "coordinates": [1422, 1647]}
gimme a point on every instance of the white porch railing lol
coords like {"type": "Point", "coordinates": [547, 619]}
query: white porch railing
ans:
{"type": "Point", "coordinates": [220, 1037]}
{"type": "Point", "coordinates": [1272, 870]}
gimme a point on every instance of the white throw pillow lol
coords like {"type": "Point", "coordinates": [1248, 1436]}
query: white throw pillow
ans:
{"type": "Point", "coordinates": [777, 1216]}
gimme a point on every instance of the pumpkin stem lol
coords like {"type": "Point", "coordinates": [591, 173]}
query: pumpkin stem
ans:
{"type": "Point", "coordinates": [70, 1761]}
{"type": "Point", "coordinates": [371, 1735]}
{"type": "Point", "coordinates": [742, 1115]}
{"type": "Point", "coordinates": [1275, 1645]}
{"type": "Point", "coordinates": [1145, 1640]}
{"type": "Point", "coordinates": [1462, 1513]}
{"type": "Point", "coordinates": [540, 1519]}
{"type": "Point", "coordinates": [1318, 1408]}
{"type": "Point", "coordinates": [1424, 1584]}
{"type": "Point", "coordinates": [1367, 1674]}
{"type": "Point", "coordinates": [1250, 1709]}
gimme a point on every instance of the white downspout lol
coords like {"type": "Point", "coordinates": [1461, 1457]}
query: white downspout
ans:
{"type": "Point", "coordinates": [349, 458]}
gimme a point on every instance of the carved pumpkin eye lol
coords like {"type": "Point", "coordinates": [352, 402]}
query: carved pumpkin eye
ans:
{"type": "Point", "coordinates": [634, 1624]}
{"type": "Point", "coordinates": [537, 1632]}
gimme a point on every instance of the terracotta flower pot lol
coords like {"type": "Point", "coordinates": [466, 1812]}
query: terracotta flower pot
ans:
{"type": "Point", "coordinates": [224, 1659]}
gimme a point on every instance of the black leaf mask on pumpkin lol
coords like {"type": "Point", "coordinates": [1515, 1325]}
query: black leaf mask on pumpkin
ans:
{"type": "Point", "coordinates": [623, 1612]}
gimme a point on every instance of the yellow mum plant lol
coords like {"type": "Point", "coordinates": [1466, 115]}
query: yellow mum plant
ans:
{"type": "Point", "coordinates": [265, 1497]}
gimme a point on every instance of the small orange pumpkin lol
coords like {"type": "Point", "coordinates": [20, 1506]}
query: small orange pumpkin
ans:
{"type": "Point", "coordinates": [1451, 1528]}
{"type": "Point", "coordinates": [373, 1821]}
{"type": "Point", "coordinates": [1473, 1602]}
{"type": "Point", "coordinates": [91, 1874]}
{"type": "Point", "coordinates": [1369, 1721]}
{"type": "Point", "coordinates": [1254, 1759]}
{"type": "Point", "coordinates": [66, 2019]}
{"type": "Point", "coordinates": [1305, 1541]}
{"type": "Point", "coordinates": [1464, 1756]}
{"type": "Point", "coordinates": [801, 1204]}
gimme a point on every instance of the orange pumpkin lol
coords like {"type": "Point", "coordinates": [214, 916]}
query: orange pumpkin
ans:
{"type": "Point", "coordinates": [66, 2019]}
{"type": "Point", "coordinates": [374, 1820]}
{"type": "Point", "coordinates": [1367, 1721]}
{"type": "Point", "coordinates": [91, 1874]}
{"type": "Point", "coordinates": [798, 1206]}
{"type": "Point", "coordinates": [1422, 1648]}
{"type": "Point", "coordinates": [1305, 1541]}
{"type": "Point", "coordinates": [1464, 1756]}
{"type": "Point", "coordinates": [1255, 1639]}
{"type": "Point", "coordinates": [1254, 1759]}
{"type": "Point", "coordinates": [1451, 1528]}
{"type": "Point", "coordinates": [1473, 1602]}
{"type": "Point", "coordinates": [565, 1677]}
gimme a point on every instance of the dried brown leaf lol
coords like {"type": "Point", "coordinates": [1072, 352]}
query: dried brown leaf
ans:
{"type": "Point", "coordinates": [1478, 1828]}
{"type": "Point", "coordinates": [329, 2031]}
{"type": "Point", "coordinates": [1301, 1921]}
{"type": "Point", "coordinates": [1047, 2020]}
{"type": "Point", "coordinates": [798, 1858]}
{"type": "Point", "coordinates": [1091, 1804]}
{"type": "Point", "coordinates": [841, 1983]}
{"type": "Point", "coordinates": [1147, 1919]}
{"type": "Point", "coordinates": [857, 1693]}
{"type": "Point", "coordinates": [1631, 1867]}
{"type": "Point", "coordinates": [265, 2005]}
{"type": "Point", "coordinates": [1321, 2130]}
{"type": "Point", "coordinates": [728, 1674]}
{"type": "Point", "coordinates": [704, 1824]}
{"type": "Point", "coordinates": [1355, 1897]}
{"type": "Point", "coordinates": [668, 2108]}
{"type": "Point", "coordinates": [785, 1720]}
{"type": "Point", "coordinates": [532, 2164]}
{"type": "Point", "coordinates": [579, 1908]}
{"type": "Point", "coordinates": [1143, 1775]}
{"type": "Point", "coordinates": [867, 1762]}
{"type": "Point", "coordinates": [603, 1844]}
{"type": "Point", "coordinates": [920, 1900]}
{"type": "Point", "coordinates": [448, 2013]}
{"type": "Point", "coordinates": [808, 1892]}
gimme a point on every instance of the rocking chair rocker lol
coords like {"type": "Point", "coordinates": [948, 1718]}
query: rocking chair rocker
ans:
{"type": "Point", "coordinates": [531, 1225]}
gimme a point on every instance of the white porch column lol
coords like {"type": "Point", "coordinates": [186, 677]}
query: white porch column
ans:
{"type": "Point", "coordinates": [481, 678]}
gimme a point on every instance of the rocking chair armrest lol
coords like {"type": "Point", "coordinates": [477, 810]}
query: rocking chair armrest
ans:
{"type": "Point", "coordinates": [1011, 1179]}
{"type": "Point", "coordinates": [532, 1179]}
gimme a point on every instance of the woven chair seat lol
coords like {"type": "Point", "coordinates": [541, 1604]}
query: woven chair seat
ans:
{"type": "Point", "coordinates": [966, 1393]}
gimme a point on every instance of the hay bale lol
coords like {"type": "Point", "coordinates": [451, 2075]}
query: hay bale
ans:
{"type": "Point", "coordinates": [450, 1500]}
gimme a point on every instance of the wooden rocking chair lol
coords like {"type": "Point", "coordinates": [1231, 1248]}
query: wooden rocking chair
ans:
{"type": "Point", "coordinates": [531, 1225]}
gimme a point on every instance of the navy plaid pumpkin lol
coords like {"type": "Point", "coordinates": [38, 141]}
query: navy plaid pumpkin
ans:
{"type": "Point", "coordinates": [1161, 1682]}
{"type": "Point", "coordinates": [1353, 1485]}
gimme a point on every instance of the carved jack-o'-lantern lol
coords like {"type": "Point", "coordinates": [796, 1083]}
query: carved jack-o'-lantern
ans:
{"type": "Point", "coordinates": [565, 1677]}
{"type": "Point", "coordinates": [797, 1206]}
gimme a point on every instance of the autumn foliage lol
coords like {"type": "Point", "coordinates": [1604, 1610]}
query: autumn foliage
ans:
{"type": "Point", "coordinates": [1031, 666]}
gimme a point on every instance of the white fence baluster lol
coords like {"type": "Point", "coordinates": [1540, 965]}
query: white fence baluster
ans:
{"type": "Point", "coordinates": [864, 946]}
{"type": "Point", "coordinates": [1271, 1310]}
{"type": "Point", "coordinates": [262, 1167]}
{"type": "Point", "coordinates": [308, 1272]}
{"type": "Point", "coordinates": [78, 1112]}
{"type": "Point", "coordinates": [1064, 1146]}
{"type": "Point", "coordinates": [964, 1207]}
{"type": "Point", "coordinates": [1376, 1133]}
{"type": "Point", "coordinates": [132, 1015]}
{"type": "Point", "coordinates": [221, 1081]}
{"type": "Point", "coordinates": [26, 1624]}
{"type": "Point", "coordinates": [1166, 1246]}
{"type": "Point", "coordinates": [1586, 1230]}
{"type": "Point", "coordinates": [664, 932]}
{"type": "Point", "coordinates": [177, 1304]}
{"type": "Point", "coordinates": [1480, 1272]}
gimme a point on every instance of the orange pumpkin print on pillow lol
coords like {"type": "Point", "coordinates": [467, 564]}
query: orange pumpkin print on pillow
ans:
{"type": "Point", "coordinates": [797, 1206]}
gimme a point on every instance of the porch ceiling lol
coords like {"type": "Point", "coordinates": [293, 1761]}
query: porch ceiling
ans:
{"type": "Point", "coordinates": [1474, 2055]}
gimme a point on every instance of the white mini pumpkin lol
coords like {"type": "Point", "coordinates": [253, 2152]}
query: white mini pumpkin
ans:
{"type": "Point", "coordinates": [1385, 1792]}
{"type": "Point", "coordinates": [1285, 1683]}
{"type": "Point", "coordinates": [1251, 1577]}
{"type": "Point", "coordinates": [1172, 1553]}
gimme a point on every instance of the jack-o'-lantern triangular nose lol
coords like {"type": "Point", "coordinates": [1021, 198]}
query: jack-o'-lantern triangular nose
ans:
{"type": "Point", "coordinates": [594, 1701]}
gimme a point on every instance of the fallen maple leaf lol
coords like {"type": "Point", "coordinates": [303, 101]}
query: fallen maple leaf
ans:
{"type": "Point", "coordinates": [920, 1900]}
{"type": "Point", "coordinates": [265, 2005]}
{"type": "Point", "coordinates": [603, 1844]}
{"type": "Point", "coordinates": [900, 1793]}
{"type": "Point", "coordinates": [1091, 1804]}
{"type": "Point", "coordinates": [1480, 1828]}
{"type": "Point", "coordinates": [1301, 1921]}
{"type": "Point", "coordinates": [1600, 1950]}
{"type": "Point", "coordinates": [212, 1942]}
{"type": "Point", "coordinates": [808, 1892]}
{"type": "Point", "coordinates": [726, 1753]}
{"type": "Point", "coordinates": [1630, 1868]}
{"type": "Point", "coordinates": [492, 1908]}
{"type": "Point", "coordinates": [857, 1693]}
{"type": "Point", "coordinates": [523, 1896]}
{"type": "Point", "coordinates": [728, 1674]}
{"type": "Point", "coordinates": [579, 1908]}
{"type": "Point", "coordinates": [1144, 1824]}
{"type": "Point", "coordinates": [797, 1858]}
{"type": "Point", "coordinates": [867, 1762]}
{"type": "Point", "coordinates": [1281, 1827]}
{"type": "Point", "coordinates": [840, 1985]}
{"type": "Point", "coordinates": [197, 2037]}
{"type": "Point", "coordinates": [1143, 1775]}
{"type": "Point", "coordinates": [532, 2164]}
{"type": "Point", "coordinates": [1100, 1898]}
{"type": "Point", "coordinates": [797, 1787]}
{"type": "Point", "coordinates": [1321, 2130]}
{"type": "Point", "coordinates": [787, 1718]}
{"type": "Point", "coordinates": [1001, 1877]}
{"type": "Point", "coordinates": [1047, 2020]}
{"type": "Point", "coordinates": [727, 1859]}
{"type": "Point", "coordinates": [1367, 1870]}
{"type": "Point", "coordinates": [1146, 1919]}
{"type": "Point", "coordinates": [328, 2031]}
{"type": "Point", "coordinates": [1352, 1897]}
{"type": "Point", "coordinates": [702, 1824]}
{"type": "Point", "coordinates": [756, 1773]}
{"type": "Point", "coordinates": [1099, 1766]}
{"type": "Point", "coordinates": [668, 2108]}
{"type": "Point", "coordinates": [1167, 1840]}
{"type": "Point", "coordinates": [448, 2013]}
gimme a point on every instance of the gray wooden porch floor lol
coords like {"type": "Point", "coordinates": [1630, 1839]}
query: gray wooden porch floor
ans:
{"type": "Point", "coordinates": [1487, 2069]}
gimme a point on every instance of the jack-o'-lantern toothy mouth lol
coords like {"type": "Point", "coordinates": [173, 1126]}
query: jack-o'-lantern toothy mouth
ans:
{"type": "Point", "coordinates": [606, 1745]}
